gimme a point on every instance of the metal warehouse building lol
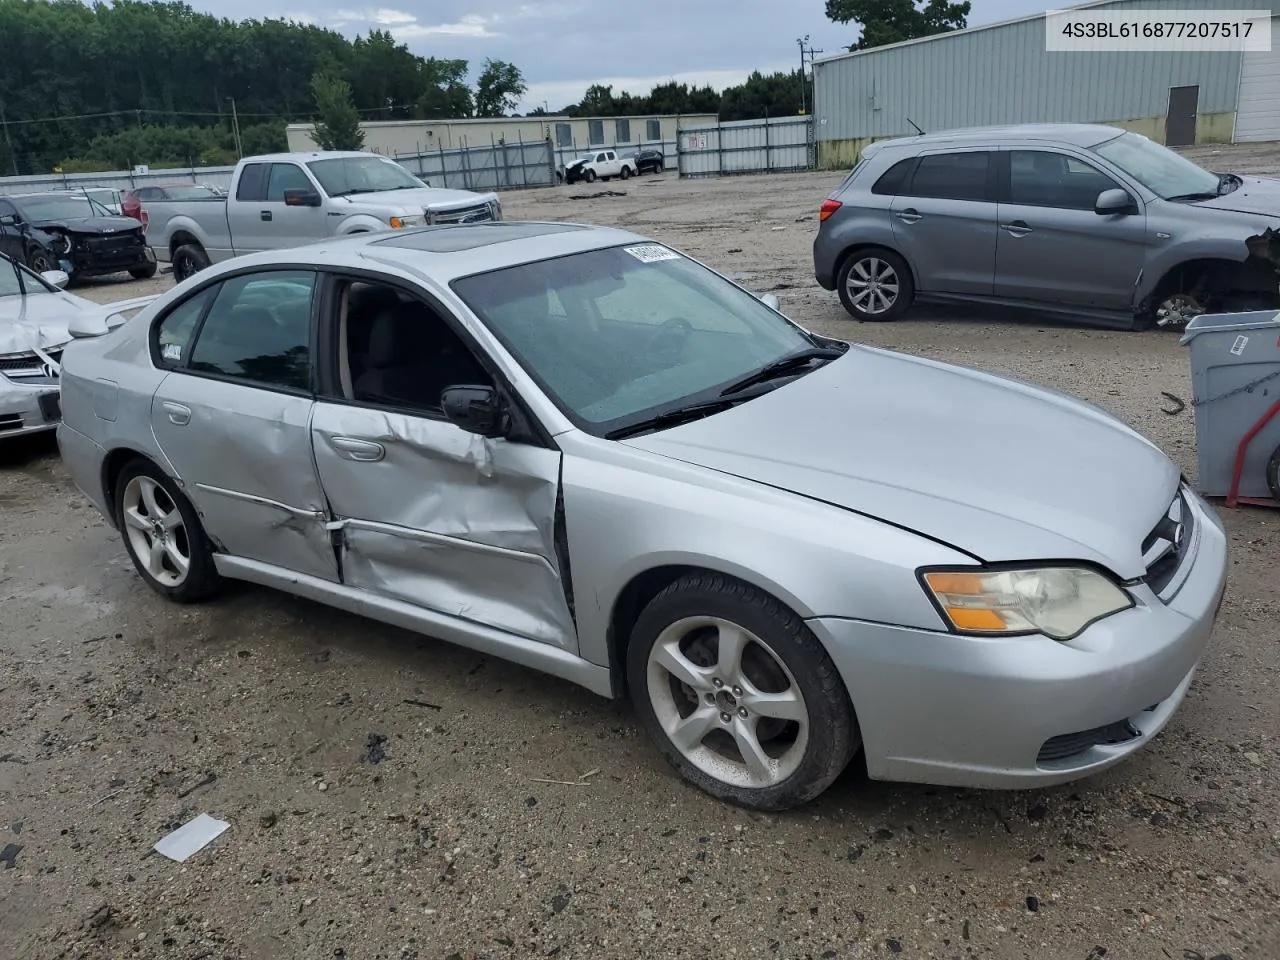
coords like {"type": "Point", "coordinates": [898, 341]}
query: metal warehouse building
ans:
{"type": "Point", "coordinates": [1002, 73]}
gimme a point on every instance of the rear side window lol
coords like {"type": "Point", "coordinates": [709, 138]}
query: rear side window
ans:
{"type": "Point", "coordinates": [173, 336]}
{"type": "Point", "coordinates": [893, 180]}
{"type": "Point", "coordinates": [253, 182]}
{"type": "Point", "coordinates": [259, 329]}
{"type": "Point", "coordinates": [953, 176]}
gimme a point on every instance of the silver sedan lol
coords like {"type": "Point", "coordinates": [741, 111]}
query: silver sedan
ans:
{"type": "Point", "coordinates": [583, 451]}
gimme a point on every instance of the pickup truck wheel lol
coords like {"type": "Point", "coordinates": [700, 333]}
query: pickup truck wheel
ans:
{"type": "Point", "coordinates": [188, 260]}
{"type": "Point", "coordinates": [626, 173]}
{"type": "Point", "coordinates": [144, 273]}
{"type": "Point", "coordinates": [589, 176]}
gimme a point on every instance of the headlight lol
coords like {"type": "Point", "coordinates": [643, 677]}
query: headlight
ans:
{"type": "Point", "coordinates": [64, 243]}
{"type": "Point", "coordinates": [495, 209]}
{"type": "Point", "coordinates": [399, 223]}
{"type": "Point", "coordinates": [1058, 602]}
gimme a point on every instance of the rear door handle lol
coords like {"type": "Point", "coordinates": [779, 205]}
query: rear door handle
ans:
{"type": "Point", "coordinates": [178, 414]}
{"type": "Point", "coordinates": [266, 214]}
{"type": "Point", "coordinates": [909, 215]}
{"type": "Point", "coordinates": [362, 451]}
{"type": "Point", "coordinates": [1018, 228]}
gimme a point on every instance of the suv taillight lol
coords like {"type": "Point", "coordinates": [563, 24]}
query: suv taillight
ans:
{"type": "Point", "coordinates": [828, 208]}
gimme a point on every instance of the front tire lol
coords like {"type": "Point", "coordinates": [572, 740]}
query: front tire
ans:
{"type": "Point", "coordinates": [738, 694]}
{"type": "Point", "coordinates": [41, 261]}
{"type": "Point", "coordinates": [589, 176]}
{"type": "Point", "coordinates": [188, 260]}
{"type": "Point", "coordinates": [163, 535]}
{"type": "Point", "coordinates": [144, 273]}
{"type": "Point", "coordinates": [875, 285]}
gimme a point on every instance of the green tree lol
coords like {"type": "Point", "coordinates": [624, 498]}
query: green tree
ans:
{"type": "Point", "coordinates": [337, 126]}
{"type": "Point", "coordinates": [445, 92]}
{"type": "Point", "coordinates": [777, 95]}
{"type": "Point", "coordinates": [499, 89]}
{"type": "Point", "coordinates": [891, 21]}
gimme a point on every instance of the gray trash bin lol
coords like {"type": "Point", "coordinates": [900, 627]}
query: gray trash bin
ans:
{"type": "Point", "coordinates": [1235, 378]}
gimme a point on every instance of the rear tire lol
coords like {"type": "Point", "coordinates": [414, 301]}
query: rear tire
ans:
{"type": "Point", "coordinates": [163, 535]}
{"type": "Point", "coordinates": [188, 260]}
{"type": "Point", "coordinates": [738, 694]}
{"type": "Point", "coordinates": [626, 173]}
{"type": "Point", "coordinates": [875, 285]}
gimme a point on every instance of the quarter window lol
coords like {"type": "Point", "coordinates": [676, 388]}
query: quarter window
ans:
{"type": "Point", "coordinates": [1040, 178]}
{"type": "Point", "coordinates": [953, 176]}
{"type": "Point", "coordinates": [173, 336]}
{"type": "Point", "coordinates": [894, 179]}
{"type": "Point", "coordinates": [259, 329]}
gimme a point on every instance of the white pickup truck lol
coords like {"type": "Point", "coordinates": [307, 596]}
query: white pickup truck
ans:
{"type": "Point", "coordinates": [600, 165]}
{"type": "Point", "coordinates": [293, 199]}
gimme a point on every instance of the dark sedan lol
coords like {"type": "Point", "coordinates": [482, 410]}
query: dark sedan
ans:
{"type": "Point", "coordinates": [651, 161]}
{"type": "Point", "coordinates": [85, 235]}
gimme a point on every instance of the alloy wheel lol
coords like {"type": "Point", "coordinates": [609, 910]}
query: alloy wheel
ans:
{"type": "Point", "coordinates": [727, 702]}
{"type": "Point", "coordinates": [1177, 310]}
{"type": "Point", "coordinates": [156, 531]}
{"type": "Point", "coordinates": [873, 286]}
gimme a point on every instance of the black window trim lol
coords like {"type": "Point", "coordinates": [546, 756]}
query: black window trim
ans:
{"type": "Point", "coordinates": [1005, 192]}
{"type": "Point", "coordinates": [153, 335]}
{"type": "Point", "coordinates": [529, 429]}
{"type": "Point", "coordinates": [993, 163]}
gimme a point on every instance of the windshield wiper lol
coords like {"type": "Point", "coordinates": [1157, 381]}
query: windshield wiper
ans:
{"type": "Point", "coordinates": [670, 418]}
{"type": "Point", "coordinates": [784, 366]}
{"type": "Point", "coordinates": [347, 193]}
{"type": "Point", "coordinates": [1187, 197]}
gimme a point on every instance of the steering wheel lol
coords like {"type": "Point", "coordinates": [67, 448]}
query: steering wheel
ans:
{"type": "Point", "coordinates": [668, 341]}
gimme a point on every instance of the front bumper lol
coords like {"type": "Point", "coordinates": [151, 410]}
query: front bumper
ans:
{"type": "Point", "coordinates": [26, 409]}
{"type": "Point", "coordinates": [104, 260]}
{"type": "Point", "coordinates": [1028, 712]}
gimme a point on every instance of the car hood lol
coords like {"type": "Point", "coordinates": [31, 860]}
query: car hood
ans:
{"type": "Point", "coordinates": [577, 163]}
{"type": "Point", "coordinates": [38, 322]}
{"type": "Point", "coordinates": [92, 224]}
{"type": "Point", "coordinates": [1254, 195]}
{"type": "Point", "coordinates": [998, 468]}
{"type": "Point", "coordinates": [437, 198]}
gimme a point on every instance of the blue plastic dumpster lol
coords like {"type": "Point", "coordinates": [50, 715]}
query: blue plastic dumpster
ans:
{"type": "Point", "coordinates": [1235, 381]}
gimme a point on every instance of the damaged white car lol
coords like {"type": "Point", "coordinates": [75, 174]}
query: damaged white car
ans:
{"type": "Point", "coordinates": [35, 319]}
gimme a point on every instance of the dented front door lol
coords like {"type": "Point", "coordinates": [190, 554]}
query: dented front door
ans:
{"type": "Point", "coordinates": [431, 515]}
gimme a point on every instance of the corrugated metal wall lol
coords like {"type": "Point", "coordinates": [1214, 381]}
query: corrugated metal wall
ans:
{"type": "Point", "coordinates": [776, 144]}
{"type": "Point", "coordinates": [1004, 75]}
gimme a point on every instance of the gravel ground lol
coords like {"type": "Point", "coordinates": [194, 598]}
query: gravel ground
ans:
{"type": "Point", "coordinates": [388, 794]}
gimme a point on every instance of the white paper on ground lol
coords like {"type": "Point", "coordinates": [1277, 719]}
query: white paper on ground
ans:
{"type": "Point", "coordinates": [190, 837]}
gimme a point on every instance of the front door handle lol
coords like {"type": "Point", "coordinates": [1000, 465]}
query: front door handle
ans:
{"type": "Point", "coordinates": [1019, 228]}
{"type": "Point", "coordinates": [178, 414]}
{"type": "Point", "coordinates": [362, 451]}
{"type": "Point", "coordinates": [266, 214]}
{"type": "Point", "coordinates": [909, 215]}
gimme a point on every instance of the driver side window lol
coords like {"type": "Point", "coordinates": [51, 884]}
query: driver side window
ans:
{"type": "Point", "coordinates": [397, 351]}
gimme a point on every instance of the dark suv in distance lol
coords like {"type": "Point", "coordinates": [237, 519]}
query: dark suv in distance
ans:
{"type": "Point", "coordinates": [650, 161]}
{"type": "Point", "coordinates": [1090, 222]}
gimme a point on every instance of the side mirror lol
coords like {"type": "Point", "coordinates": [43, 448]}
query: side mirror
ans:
{"type": "Point", "coordinates": [58, 278]}
{"type": "Point", "coordinates": [301, 198]}
{"type": "Point", "coordinates": [1114, 203]}
{"type": "Point", "coordinates": [475, 409]}
{"type": "Point", "coordinates": [84, 326]}
{"type": "Point", "coordinates": [8, 220]}
{"type": "Point", "coordinates": [770, 301]}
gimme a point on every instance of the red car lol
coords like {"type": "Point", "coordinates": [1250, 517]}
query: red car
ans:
{"type": "Point", "coordinates": [131, 205]}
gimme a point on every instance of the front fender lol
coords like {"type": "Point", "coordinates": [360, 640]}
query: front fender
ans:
{"type": "Point", "coordinates": [360, 223]}
{"type": "Point", "coordinates": [1216, 246]}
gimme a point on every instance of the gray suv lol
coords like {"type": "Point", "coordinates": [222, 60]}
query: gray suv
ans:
{"type": "Point", "coordinates": [1105, 226]}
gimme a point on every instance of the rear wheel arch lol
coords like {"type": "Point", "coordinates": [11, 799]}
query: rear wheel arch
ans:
{"type": "Point", "coordinates": [858, 248]}
{"type": "Point", "coordinates": [113, 465]}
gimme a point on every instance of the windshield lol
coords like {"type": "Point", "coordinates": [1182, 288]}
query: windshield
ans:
{"type": "Point", "coordinates": [344, 175]}
{"type": "Point", "coordinates": [11, 285]}
{"type": "Point", "coordinates": [71, 207]}
{"type": "Point", "coordinates": [614, 336]}
{"type": "Point", "coordinates": [1158, 168]}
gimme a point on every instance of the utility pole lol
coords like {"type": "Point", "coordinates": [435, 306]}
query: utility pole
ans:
{"type": "Point", "coordinates": [806, 59]}
{"type": "Point", "coordinates": [235, 128]}
{"type": "Point", "coordinates": [7, 142]}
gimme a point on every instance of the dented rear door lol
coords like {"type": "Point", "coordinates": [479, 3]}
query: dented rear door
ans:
{"type": "Point", "coordinates": [429, 514]}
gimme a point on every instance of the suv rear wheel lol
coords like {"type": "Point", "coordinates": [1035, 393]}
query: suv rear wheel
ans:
{"type": "Point", "coordinates": [875, 285]}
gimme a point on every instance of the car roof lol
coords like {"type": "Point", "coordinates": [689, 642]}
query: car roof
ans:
{"type": "Point", "coordinates": [1075, 134]}
{"type": "Point", "coordinates": [448, 252]}
{"type": "Point", "coordinates": [304, 155]}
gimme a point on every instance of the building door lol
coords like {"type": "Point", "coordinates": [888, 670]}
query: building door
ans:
{"type": "Point", "coordinates": [1180, 124]}
{"type": "Point", "coordinates": [1258, 107]}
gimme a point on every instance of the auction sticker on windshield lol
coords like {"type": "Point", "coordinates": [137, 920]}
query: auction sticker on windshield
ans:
{"type": "Point", "coordinates": [652, 253]}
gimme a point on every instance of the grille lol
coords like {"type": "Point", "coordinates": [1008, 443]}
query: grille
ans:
{"type": "Point", "coordinates": [475, 214]}
{"type": "Point", "coordinates": [10, 421]}
{"type": "Point", "coordinates": [27, 367]}
{"type": "Point", "coordinates": [1070, 744]}
{"type": "Point", "coordinates": [1164, 548]}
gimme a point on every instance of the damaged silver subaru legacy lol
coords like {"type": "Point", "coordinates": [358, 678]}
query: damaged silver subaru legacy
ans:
{"type": "Point", "coordinates": [580, 450]}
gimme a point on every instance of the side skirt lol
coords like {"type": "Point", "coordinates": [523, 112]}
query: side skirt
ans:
{"type": "Point", "coordinates": [527, 653]}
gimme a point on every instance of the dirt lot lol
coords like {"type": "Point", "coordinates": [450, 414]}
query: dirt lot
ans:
{"type": "Point", "coordinates": [121, 717]}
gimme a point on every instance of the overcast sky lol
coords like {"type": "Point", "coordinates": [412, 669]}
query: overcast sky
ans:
{"type": "Point", "coordinates": [563, 46]}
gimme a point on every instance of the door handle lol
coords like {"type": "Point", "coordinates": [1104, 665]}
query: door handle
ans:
{"type": "Point", "coordinates": [178, 414]}
{"type": "Point", "coordinates": [909, 215]}
{"type": "Point", "coordinates": [266, 214]}
{"type": "Point", "coordinates": [1018, 228]}
{"type": "Point", "coordinates": [362, 451]}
